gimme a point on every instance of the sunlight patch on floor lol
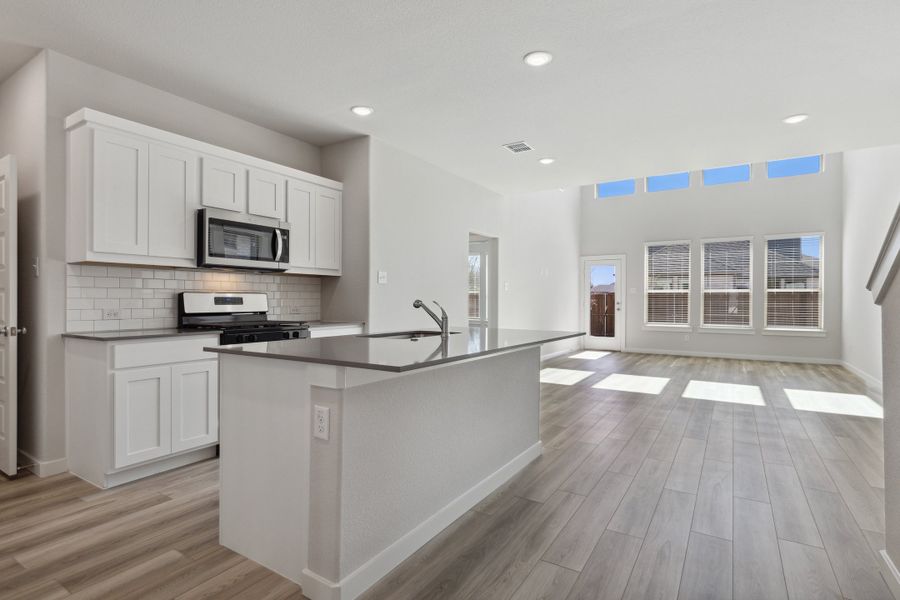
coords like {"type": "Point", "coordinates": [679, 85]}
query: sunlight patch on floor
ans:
{"type": "Point", "coordinates": [641, 384]}
{"type": "Point", "coordinates": [724, 392]}
{"type": "Point", "coordinates": [836, 403]}
{"type": "Point", "coordinates": [563, 376]}
{"type": "Point", "coordinates": [590, 355]}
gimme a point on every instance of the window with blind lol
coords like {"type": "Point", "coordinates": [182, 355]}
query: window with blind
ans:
{"type": "Point", "coordinates": [668, 283]}
{"type": "Point", "coordinates": [794, 282]}
{"type": "Point", "coordinates": [727, 275]}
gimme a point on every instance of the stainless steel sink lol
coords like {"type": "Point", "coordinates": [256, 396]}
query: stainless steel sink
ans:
{"type": "Point", "coordinates": [405, 335]}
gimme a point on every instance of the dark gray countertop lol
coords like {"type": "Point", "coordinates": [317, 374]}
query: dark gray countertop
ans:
{"type": "Point", "coordinates": [397, 355]}
{"type": "Point", "coordinates": [138, 334]}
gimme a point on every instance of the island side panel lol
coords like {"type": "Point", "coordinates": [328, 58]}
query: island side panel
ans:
{"type": "Point", "coordinates": [264, 429]}
{"type": "Point", "coordinates": [421, 449]}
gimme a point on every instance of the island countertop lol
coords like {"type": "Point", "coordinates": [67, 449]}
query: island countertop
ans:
{"type": "Point", "coordinates": [398, 355]}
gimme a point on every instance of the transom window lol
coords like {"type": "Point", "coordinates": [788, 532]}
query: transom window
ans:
{"type": "Point", "coordinates": [727, 283]}
{"type": "Point", "coordinates": [794, 282]}
{"type": "Point", "coordinates": [668, 283]}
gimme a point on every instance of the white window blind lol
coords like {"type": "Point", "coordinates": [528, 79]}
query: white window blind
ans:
{"type": "Point", "coordinates": [727, 283]}
{"type": "Point", "coordinates": [794, 282]}
{"type": "Point", "coordinates": [668, 283]}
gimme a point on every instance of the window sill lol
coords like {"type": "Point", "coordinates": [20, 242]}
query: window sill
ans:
{"type": "Point", "coordinates": [728, 330]}
{"type": "Point", "coordinates": [672, 328]}
{"type": "Point", "coordinates": [796, 332]}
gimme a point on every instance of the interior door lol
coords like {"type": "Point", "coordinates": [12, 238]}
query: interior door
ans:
{"type": "Point", "coordinates": [603, 307]}
{"type": "Point", "coordinates": [8, 332]}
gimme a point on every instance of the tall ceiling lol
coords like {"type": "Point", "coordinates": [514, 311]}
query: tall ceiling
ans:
{"type": "Point", "coordinates": [634, 88]}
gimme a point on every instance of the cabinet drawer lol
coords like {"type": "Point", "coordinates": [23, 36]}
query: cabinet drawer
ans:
{"type": "Point", "coordinates": [144, 354]}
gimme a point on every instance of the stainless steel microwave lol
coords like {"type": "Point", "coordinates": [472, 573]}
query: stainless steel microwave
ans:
{"type": "Point", "coordinates": [230, 240]}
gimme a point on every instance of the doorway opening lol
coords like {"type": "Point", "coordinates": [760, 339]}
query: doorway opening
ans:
{"type": "Point", "coordinates": [482, 291]}
{"type": "Point", "coordinates": [603, 313]}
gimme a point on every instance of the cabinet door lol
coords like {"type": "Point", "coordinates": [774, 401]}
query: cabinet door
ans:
{"type": "Point", "coordinates": [120, 194]}
{"type": "Point", "coordinates": [142, 407]}
{"type": "Point", "coordinates": [266, 194]}
{"type": "Point", "coordinates": [224, 184]}
{"type": "Point", "coordinates": [195, 405]}
{"type": "Point", "coordinates": [301, 207]}
{"type": "Point", "coordinates": [174, 200]}
{"type": "Point", "coordinates": [328, 229]}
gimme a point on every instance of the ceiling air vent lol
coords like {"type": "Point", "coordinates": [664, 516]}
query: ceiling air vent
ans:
{"type": "Point", "coordinates": [517, 147]}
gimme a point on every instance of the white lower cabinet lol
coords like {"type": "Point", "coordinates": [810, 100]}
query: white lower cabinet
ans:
{"type": "Point", "coordinates": [142, 404]}
{"type": "Point", "coordinates": [140, 407]}
{"type": "Point", "coordinates": [195, 405]}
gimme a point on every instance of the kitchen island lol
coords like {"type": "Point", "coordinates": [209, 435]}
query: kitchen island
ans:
{"type": "Point", "coordinates": [340, 457]}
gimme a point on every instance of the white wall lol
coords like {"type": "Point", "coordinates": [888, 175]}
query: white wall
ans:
{"type": "Point", "coordinates": [871, 196]}
{"type": "Point", "coordinates": [804, 204]}
{"type": "Point", "coordinates": [71, 85]}
{"type": "Point", "coordinates": [346, 298]}
{"type": "Point", "coordinates": [23, 102]}
{"type": "Point", "coordinates": [539, 256]}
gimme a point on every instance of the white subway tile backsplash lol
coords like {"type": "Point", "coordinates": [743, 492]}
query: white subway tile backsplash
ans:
{"type": "Point", "coordinates": [147, 298]}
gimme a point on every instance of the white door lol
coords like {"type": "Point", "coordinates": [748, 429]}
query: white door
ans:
{"type": "Point", "coordinates": [174, 200]}
{"type": "Point", "coordinates": [120, 194]}
{"type": "Point", "coordinates": [195, 405]}
{"type": "Point", "coordinates": [8, 332]}
{"type": "Point", "coordinates": [328, 229]}
{"type": "Point", "coordinates": [301, 209]}
{"type": "Point", "coordinates": [603, 307]}
{"type": "Point", "coordinates": [142, 407]}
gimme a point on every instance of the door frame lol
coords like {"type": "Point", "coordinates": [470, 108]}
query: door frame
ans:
{"type": "Point", "coordinates": [585, 298]}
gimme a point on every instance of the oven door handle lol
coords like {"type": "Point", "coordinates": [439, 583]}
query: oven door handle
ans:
{"type": "Point", "coordinates": [279, 245]}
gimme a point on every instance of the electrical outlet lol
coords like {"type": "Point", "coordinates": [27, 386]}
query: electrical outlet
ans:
{"type": "Point", "coordinates": [321, 422]}
{"type": "Point", "coordinates": [687, 337]}
{"type": "Point", "coordinates": [111, 313]}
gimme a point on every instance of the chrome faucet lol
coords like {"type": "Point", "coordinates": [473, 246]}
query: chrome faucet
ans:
{"type": "Point", "coordinates": [443, 321]}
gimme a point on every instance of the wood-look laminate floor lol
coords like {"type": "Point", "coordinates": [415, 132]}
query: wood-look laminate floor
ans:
{"type": "Point", "coordinates": [637, 495]}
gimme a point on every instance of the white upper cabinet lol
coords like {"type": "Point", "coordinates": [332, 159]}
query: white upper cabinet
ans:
{"type": "Point", "coordinates": [224, 184]}
{"type": "Point", "coordinates": [119, 194]}
{"type": "Point", "coordinates": [133, 192]}
{"type": "Point", "coordinates": [301, 204]}
{"type": "Point", "coordinates": [328, 229]}
{"type": "Point", "coordinates": [266, 194]}
{"type": "Point", "coordinates": [174, 200]}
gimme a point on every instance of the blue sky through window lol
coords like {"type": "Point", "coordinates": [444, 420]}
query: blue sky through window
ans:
{"type": "Point", "coordinates": [721, 175]}
{"type": "Point", "coordinates": [789, 167]}
{"type": "Point", "coordinates": [673, 181]}
{"type": "Point", "coordinates": [810, 246]}
{"type": "Point", "coordinates": [603, 275]}
{"type": "Point", "coordinates": [623, 187]}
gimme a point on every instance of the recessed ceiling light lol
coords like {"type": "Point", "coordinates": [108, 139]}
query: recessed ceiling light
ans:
{"type": "Point", "coordinates": [538, 58]}
{"type": "Point", "coordinates": [547, 161]}
{"type": "Point", "coordinates": [794, 119]}
{"type": "Point", "coordinates": [362, 111]}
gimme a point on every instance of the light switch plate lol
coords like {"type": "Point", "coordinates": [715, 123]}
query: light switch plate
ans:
{"type": "Point", "coordinates": [382, 277]}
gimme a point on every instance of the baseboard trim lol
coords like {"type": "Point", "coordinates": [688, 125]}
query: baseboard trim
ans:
{"type": "Point", "coordinates": [320, 588]}
{"type": "Point", "coordinates": [890, 573]}
{"type": "Point", "coordinates": [763, 357]}
{"type": "Point", "coordinates": [43, 468]}
{"type": "Point", "coordinates": [553, 355]}
{"type": "Point", "coordinates": [873, 384]}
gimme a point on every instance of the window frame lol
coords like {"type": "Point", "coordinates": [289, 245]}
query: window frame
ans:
{"type": "Point", "coordinates": [796, 331]}
{"type": "Point", "coordinates": [668, 326]}
{"type": "Point", "coordinates": [742, 328]}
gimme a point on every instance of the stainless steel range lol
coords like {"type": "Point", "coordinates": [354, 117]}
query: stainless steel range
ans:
{"type": "Point", "coordinates": [243, 317]}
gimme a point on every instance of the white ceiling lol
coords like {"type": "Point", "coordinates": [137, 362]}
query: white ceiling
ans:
{"type": "Point", "coordinates": [635, 88]}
